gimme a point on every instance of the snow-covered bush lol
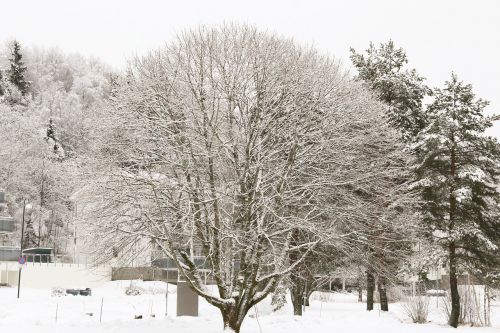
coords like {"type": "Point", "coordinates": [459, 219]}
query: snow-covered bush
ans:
{"type": "Point", "coordinates": [279, 297]}
{"type": "Point", "coordinates": [134, 290]}
{"type": "Point", "coordinates": [58, 292]}
{"type": "Point", "coordinates": [417, 308]}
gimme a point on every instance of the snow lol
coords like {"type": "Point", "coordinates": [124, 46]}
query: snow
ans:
{"type": "Point", "coordinates": [473, 173]}
{"type": "Point", "coordinates": [462, 194]}
{"type": "Point", "coordinates": [36, 309]}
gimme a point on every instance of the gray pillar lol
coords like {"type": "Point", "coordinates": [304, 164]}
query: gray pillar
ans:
{"type": "Point", "coordinates": [187, 300]}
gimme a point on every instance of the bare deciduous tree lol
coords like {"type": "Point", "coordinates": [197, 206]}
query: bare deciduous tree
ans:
{"type": "Point", "coordinates": [232, 140]}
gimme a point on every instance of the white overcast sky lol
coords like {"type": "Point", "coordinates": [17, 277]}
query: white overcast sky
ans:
{"type": "Point", "coordinates": [439, 36]}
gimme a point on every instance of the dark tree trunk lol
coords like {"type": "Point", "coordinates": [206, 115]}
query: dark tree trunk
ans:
{"type": "Point", "coordinates": [232, 325]}
{"type": "Point", "coordinates": [382, 290]}
{"type": "Point", "coordinates": [297, 296]}
{"type": "Point", "coordinates": [233, 318]}
{"type": "Point", "coordinates": [370, 287]}
{"type": "Point", "coordinates": [455, 297]}
{"type": "Point", "coordinates": [296, 279]}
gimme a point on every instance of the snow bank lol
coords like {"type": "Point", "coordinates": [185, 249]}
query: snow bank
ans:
{"type": "Point", "coordinates": [36, 312]}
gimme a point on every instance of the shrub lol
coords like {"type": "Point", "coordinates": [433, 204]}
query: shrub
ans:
{"type": "Point", "coordinates": [134, 290]}
{"type": "Point", "coordinates": [417, 308]}
{"type": "Point", "coordinates": [58, 292]}
{"type": "Point", "coordinates": [474, 311]}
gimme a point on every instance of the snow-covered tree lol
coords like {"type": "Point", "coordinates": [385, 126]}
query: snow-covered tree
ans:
{"type": "Point", "coordinates": [458, 172]}
{"type": "Point", "coordinates": [379, 218]}
{"type": "Point", "coordinates": [402, 90]}
{"type": "Point", "coordinates": [17, 70]}
{"type": "Point", "coordinates": [388, 217]}
{"type": "Point", "coordinates": [383, 70]}
{"type": "Point", "coordinates": [232, 140]}
{"type": "Point", "coordinates": [53, 140]}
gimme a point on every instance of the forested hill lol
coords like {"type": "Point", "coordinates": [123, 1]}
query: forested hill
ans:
{"type": "Point", "coordinates": [48, 102]}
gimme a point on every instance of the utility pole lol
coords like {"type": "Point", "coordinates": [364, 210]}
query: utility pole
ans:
{"type": "Point", "coordinates": [22, 241]}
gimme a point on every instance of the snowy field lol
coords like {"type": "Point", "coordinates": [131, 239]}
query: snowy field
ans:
{"type": "Point", "coordinates": [35, 311]}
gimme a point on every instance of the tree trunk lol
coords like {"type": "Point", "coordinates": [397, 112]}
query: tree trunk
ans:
{"type": "Point", "coordinates": [296, 277]}
{"type": "Point", "coordinates": [382, 289]}
{"type": "Point", "coordinates": [455, 297]}
{"type": "Point", "coordinates": [370, 286]}
{"type": "Point", "coordinates": [296, 293]}
{"type": "Point", "coordinates": [232, 326]}
{"type": "Point", "coordinates": [305, 293]}
{"type": "Point", "coordinates": [232, 319]}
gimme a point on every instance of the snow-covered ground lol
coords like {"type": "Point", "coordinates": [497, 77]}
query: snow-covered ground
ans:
{"type": "Point", "coordinates": [35, 311]}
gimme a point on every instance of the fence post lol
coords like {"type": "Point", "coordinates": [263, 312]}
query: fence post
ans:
{"type": "Point", "coordinates": [166, 299]}
{"type": "Point", "coordinates": [100, 315]}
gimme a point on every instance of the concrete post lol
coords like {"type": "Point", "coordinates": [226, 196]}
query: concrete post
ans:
{"type": "Point", "coordinates": [187, 300]}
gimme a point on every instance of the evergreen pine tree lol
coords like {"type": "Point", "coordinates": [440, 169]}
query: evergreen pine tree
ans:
{"type": "Point", "coordinates": [458, 172]}
{"type": "Point", "coordinates": [17, 69]}
{"type": "Point", "coordinates": [403, 90]}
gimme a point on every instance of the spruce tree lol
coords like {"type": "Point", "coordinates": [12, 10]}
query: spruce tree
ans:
{"type": "Point", "coordinates": [383, 70]}
{"type": "Point", "coordinates": [458, 172]}
{"type": "Point", "coordinates": [17, 69]}
{"type": "Point", "coordinates": [51, 135]}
